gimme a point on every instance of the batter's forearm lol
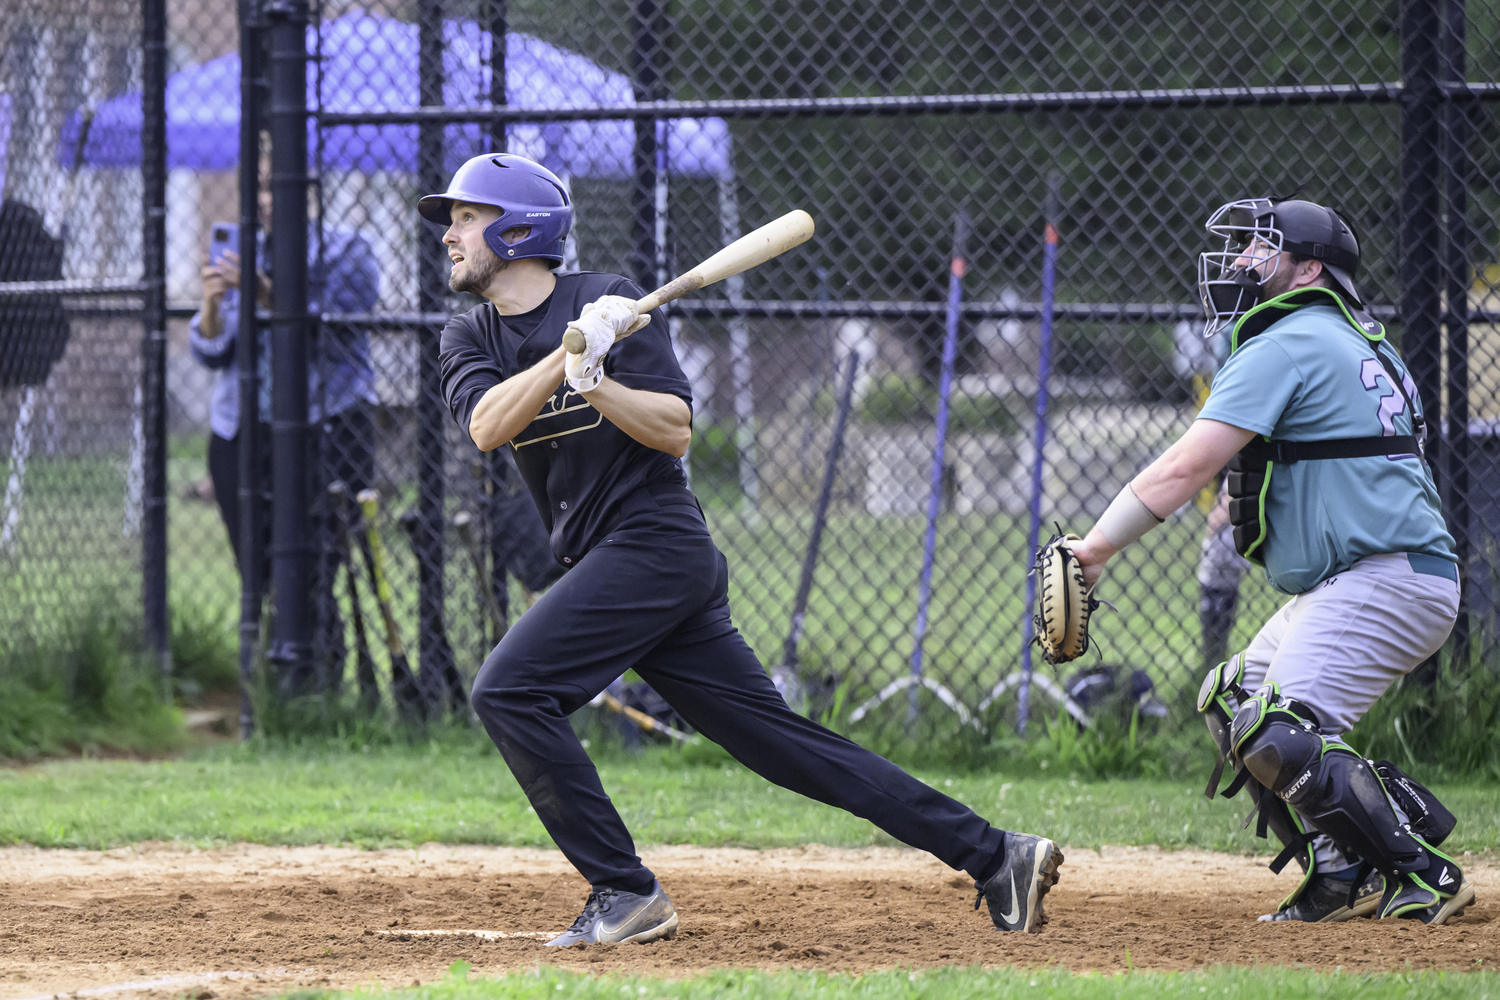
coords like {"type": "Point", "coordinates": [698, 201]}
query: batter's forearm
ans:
{"type": "Point", "coordinates": [657, 420]}
{"type": "Point", "coordinates": [507, 408]}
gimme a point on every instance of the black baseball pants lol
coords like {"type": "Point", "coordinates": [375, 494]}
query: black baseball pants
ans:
{"type": "Point", "coordinates": [653, 596]}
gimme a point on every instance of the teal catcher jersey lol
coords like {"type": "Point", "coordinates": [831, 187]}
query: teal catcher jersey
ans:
{"type": "Point", "coordinates": [1311, 376]}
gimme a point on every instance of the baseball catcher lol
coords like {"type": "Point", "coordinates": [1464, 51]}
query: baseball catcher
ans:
{"type": "Point", "coordinates": [598, 437]}
{"type": "Point", "coordinates": [1319, 424]}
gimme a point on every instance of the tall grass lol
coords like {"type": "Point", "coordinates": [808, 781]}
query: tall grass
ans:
{"type": "Point", "coordinates": [90, 687]}
{"type": "Point", "coordinates": [1443, 724]}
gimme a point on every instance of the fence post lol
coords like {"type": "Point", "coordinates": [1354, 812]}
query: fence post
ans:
{"type": "Point", "coordinates": [247, 356]}
{"type": "Point", "coordinates": [154, 346]}
{"type": "Point", "coordinates": [648, 48]}
{"type": "Point", "coordinates": [1052, 212]}
{"type": "Point", "coordinates": [1421, 138]}
{"type": "Point", "coordinates": [432, 640]}
{"type": "Point", "coordinates": [291, 641]}
{"type": "Point", "coordinates": [497, 465]}
{"type": "Point", "coordinates": [1456, 130]}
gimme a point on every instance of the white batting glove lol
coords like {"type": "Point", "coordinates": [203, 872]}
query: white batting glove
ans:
{"type": "Point", "coordinates": [604, 321]}
{"type": "Point", "coordinates": [585, 371]}
{"type": "Point", "coordinates": [620, 311]}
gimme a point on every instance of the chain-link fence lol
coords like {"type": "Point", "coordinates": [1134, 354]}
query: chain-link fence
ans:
{"type": "Point", "coordinates": [885, 421]}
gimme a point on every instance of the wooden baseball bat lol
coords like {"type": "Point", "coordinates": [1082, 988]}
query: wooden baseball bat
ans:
{"type": "Point", "coordinates": [369, 690]}
{"type": "Point", "coordinates": [771, 240]}
{"type": "Point", "coordinates": [641, 719]}
{"type": "Point", "coordinates": [463, 521]}
{"type": "Point", "coordinates": [404, 682]}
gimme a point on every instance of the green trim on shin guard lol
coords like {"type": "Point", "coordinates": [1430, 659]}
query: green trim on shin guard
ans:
{"type": "Point", "coordinates": [1295, 837]}
{"type": "Point", "coordinates": [1439, 878]}
{"type": "Point", "coordinates": [1218, 700]}
{"type": "Point", "coordinates": [1332, 788]}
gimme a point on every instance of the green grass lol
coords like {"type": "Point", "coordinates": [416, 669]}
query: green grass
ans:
{"type": "Point", "coordinates": [947, 984]}
{"type": "Point", "coordinates": [858, 622]}
{"type": "Point", "coordinates": [452, 793]}
{"type": "Point", "coordinates": [94, 687]}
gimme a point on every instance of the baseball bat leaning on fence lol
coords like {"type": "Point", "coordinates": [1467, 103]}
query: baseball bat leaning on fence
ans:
{"type": "Point", "coordinates": [464, 522]}
{"type": "Point", "coordinates": [640, 718]}
{"type": "Point", "coordinates": [786, 677]}
{"type": "Point", "coordinates": [403, 681]}
{"type": "Point", "coordinates": [771, 240]}
{"type": "Point", "coordinates": [369, 689]}
{"type": "Point", "coordinates": [445, 682]}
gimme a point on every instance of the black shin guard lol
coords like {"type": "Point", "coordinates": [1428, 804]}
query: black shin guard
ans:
{"type": "Point", "coordinates": [1329, 785]}
{"type": "Point", "coordinates": [1427, 817]}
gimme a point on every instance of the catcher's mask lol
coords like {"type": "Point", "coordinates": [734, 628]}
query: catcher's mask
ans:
{"type": "Point", "coordinates": [1256, 233]}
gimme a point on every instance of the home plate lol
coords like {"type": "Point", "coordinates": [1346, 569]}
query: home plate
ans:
{"type": "Point", "coordinates": [486, 935]}
{"type": "Point", "coordinates": [173, 983]}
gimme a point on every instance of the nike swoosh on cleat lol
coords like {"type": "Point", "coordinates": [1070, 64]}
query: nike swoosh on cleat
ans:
{"type": "Point", "coordinates": [1445, 878]}
{"type": "Point", "coordinates": [1015, 904]}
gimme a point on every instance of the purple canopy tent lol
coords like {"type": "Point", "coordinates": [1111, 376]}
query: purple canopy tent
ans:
{"type": "Point", "coordinates": [369, 64]}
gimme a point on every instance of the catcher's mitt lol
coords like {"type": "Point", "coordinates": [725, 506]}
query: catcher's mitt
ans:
{"type": "Point", "coordinates": [1063, 601]}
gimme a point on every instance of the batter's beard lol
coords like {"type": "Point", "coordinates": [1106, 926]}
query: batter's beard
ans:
{"type": "Point", "coordinates": [477, 274]}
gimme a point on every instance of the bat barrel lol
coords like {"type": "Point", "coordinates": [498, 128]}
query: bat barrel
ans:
{"type": "Point", "coordinates": [771, 240]}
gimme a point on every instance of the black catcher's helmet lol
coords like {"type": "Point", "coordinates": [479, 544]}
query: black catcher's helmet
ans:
{"type": "Point", "coordinates": [1262, 230]}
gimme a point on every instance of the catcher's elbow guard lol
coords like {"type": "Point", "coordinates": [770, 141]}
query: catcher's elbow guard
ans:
{"type": "Point", "coordinates": [1126, 519]}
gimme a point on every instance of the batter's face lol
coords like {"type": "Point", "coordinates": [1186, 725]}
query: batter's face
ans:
{"type": "Point", "coordinates": [475, 265]}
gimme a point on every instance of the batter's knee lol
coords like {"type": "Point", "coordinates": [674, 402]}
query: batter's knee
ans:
{"type": "Point", "coordinates": [499, 693]}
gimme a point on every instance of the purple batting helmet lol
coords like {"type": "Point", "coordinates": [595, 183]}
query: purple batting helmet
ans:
{"type": "Point", "coordinates": [527, 194]}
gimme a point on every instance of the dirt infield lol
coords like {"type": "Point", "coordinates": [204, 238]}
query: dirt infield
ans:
{"type": "Point", "coordinates": [250, 920]}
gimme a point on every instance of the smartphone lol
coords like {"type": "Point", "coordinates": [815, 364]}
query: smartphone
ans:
{"type": "Point", "coordinates": [222, 236]}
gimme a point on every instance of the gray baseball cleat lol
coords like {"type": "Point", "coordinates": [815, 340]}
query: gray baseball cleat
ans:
{"type": "Point", "coordinates": [1448, 909]}
{"type": "Point", "coordinates": [1434, 895]}
{"type": "Point", "coordinates": [1326, 901]}
{"type": "Point", "coordinates": [1014, 893]}
{"type": "Point", "coordinates": [615, 916]}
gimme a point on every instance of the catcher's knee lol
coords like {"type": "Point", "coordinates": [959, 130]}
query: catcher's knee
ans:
{"type": "Point", "coordinates": [1274, 744]}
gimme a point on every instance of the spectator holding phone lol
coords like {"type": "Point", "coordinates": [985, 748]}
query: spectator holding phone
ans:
{"type": "Point", "coordinates": [342, 278]}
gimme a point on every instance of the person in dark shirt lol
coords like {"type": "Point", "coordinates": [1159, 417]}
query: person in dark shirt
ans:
{"type": "Point", "coordinates": [34, 334]}
{"type": "Point", "coordinates": [33, 326]}
{"type": "Point", "coordinates": [598, 439]}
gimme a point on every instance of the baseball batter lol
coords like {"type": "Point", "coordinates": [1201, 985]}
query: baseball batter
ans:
{"type": "Point", "coordinates": [1319, 424]}
{"type": "Point", "coordinates": [598, 438]}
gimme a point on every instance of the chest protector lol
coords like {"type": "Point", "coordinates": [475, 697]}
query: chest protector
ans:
{"type": "Point", "coordinates": [1249, 472]}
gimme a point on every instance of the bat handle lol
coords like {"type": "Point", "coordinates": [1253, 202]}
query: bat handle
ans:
{"type": "Point", "coordinates": [573, 339]}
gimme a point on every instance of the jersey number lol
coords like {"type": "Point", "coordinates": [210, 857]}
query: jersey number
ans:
{"type": "Point", "coordinates": [1392, 404]}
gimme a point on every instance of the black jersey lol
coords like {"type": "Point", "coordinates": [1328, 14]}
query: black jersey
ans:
{"type": "Point", "coordinates": [578, 466]}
